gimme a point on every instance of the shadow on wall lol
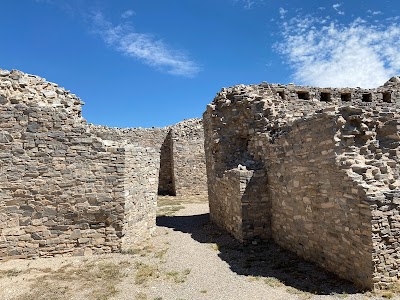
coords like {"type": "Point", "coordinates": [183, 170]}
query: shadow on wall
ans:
{"type": "Point", "coordinates": [265, 259]}
{"type": "Point", "coordinates": [166, 180]}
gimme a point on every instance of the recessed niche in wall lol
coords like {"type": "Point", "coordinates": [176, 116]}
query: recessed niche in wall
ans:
{"type": "Point", "coordinates": [367, 97]}
{"type": "Point", "coordinates": [326, 97]}
{"type": "Point", "coordinates": [387, 97]}
{"type": "Point", "coordinates": [345, 97]}
{"type": "Point", "coordinates": [302, 95]}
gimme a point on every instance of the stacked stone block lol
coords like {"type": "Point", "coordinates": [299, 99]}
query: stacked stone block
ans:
{"type": "Point", "coordinates": [328, 163]}
{"type": "Point", "coordinates": [69, 188]}
{"type": "Point", "coordinates": [180, 148]}
{"type": "Point", "coordinates": [188, 158]}
{"type": "Point", "coordinates": [61, 188]}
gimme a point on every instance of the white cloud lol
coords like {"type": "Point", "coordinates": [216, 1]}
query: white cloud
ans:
{"type": "Point", "coordinates": [374, 13]}
{"type": "Point", "coordinates": [127, 14]}
{"type": "Point", "coordinates": [326, 53]}
{"type": "Point", "coordinates": [143, 47]}
{"type": "Point", "coordinates": [336, 7]}
{"type": "Point", "coordinates": [248, 4]}
{"type": "Point", "coordinates": [282, 12]}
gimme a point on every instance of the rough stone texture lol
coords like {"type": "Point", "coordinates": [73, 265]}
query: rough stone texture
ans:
{"type": "Point", "coordinates": [181, 151]}
{"type": "Point", "coordinates": [315, 169]}
{"type": "Point", "coordinates": [189, 162]}
{"type": "Point", "coordinates": [69, 188]}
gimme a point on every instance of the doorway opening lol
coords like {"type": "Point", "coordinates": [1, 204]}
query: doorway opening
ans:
{"type": "Point", "coordinates": [166, 180]}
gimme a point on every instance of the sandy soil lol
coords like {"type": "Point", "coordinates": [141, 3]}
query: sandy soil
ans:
{"type": "Point", "coordinates": [189, 258]}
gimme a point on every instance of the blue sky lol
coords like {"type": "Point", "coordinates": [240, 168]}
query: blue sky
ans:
{"type": "Point", "coordinates": [144, 63]}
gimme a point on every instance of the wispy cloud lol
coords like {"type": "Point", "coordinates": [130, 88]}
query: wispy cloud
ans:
{"type": "Point", "coordinates": [374, 13]}
{"type": "Point", "coordinates": [248, 4]}
{"type": "Point", "coordinates": [282, 12]}
{"type": "Point", "coordinates": [323, 52]}
{"type": "Point", "coordinates": [143, 47]}
{"type": "Point", "coordinates": [127, 14]}
{"type": "Point", "coordinates": [336, 7]}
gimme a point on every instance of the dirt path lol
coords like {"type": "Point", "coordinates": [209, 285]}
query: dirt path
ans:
{"type": "Point", "coordinates": [189, 258]}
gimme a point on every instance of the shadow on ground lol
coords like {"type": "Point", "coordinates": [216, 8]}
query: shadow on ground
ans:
{"type": "Point", "coordinates": [266, 259]}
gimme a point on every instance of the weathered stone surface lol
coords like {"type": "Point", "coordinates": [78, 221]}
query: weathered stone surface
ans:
{"type": "Point", "coordinates": [316, 169]}
{"type": "Point", "coordinates": [180, 147]}
{"type": "Point", "coordinates": [69, 188]}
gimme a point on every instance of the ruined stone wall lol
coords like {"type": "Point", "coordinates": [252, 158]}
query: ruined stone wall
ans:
{"type": "Point", "coordinates": [317, 210]}
{"type": "Point", "coordinates": [61, 188]}
{"type": "Point", "coordinates": [141, 186]}
{"type": "Point", "coordinates": [330, 183]}
{"type": "Point", "coordinates": [189, 163]}
{"type": "Point", "coordinates": [69, 188]}
{"type": "Point", "coordinates": [180, 147]}
{"type": "Point", "coordinates": [236, 186]}
{"type": "Point", "coordinates": [149, 140]}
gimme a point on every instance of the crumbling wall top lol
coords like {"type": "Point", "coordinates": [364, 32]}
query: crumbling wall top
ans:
{"type": "Point", "coordinates": [20, 88]}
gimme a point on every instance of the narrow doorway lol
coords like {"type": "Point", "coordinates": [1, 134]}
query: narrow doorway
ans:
{"type": "Point", "coordinates": [166, 181]}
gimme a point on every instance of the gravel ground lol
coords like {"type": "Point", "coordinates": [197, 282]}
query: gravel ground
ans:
{"type": "Point", "coordinates": [189, 258]}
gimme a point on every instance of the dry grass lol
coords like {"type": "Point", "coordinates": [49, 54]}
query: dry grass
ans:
{"type": "Point", "coordinates": [273, 282]}
{"type": "Point", "coordinates": [142, 250]}
{"type": "Point", "coordinates": [95, 280]}
{"type": "Point", "coordinates": [169, 205]}
{"type": "Point", "coordinates": [148, 251]}
{"type": "Point", "coordinates": [169, 210]}
{"type": "Point", "coordinates": [392, 291]}
{"type": "Point", "coordinates": [141, 296]}
{"type": "Point", "coordinates": [161, 254]}
{"type": "Point", "coordinates": [145, 272]}
{"type": "Point", "coordinates": [300, 293]}
{"type": "Point", "coordinates": [214, 246]}
{"type": "Point", "coordinates": [9, 273]}
{"type": "Point", "coordinates": [178, 277]}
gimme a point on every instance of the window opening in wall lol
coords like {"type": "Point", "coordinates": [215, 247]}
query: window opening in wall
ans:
{"type": "Point", "coordinates": [303, 95]}
{"type": "Point", "coordinates": [281, 94]}
{"type": "Point", "coordinates": [367, 97]}
{"type": "Point", "coordinates": [345, 97]}
{"type": "Point", "coordinates": [387, 97]}
{"type": "Point", "coordinates": [326, 97]}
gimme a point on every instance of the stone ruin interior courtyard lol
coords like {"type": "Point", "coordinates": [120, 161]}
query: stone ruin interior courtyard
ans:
{"type": "Point", "coordinates": [315, 170]}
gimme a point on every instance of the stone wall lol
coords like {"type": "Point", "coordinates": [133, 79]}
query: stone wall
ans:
{"type": "Point", "coordinates": [189, 162]}
{"type": "Point", "coordinates": [69, 188]}
{"type": "Point", "coordinates": [180, 148]}
{"type": "Point", "coordinates": [317, 210]}
{"type": "Point", "coordinates": [327, 178]}
{"type": "Point", "coordinates": [61, 188]}
{"type": "Point", "coordinates": [141, 186]}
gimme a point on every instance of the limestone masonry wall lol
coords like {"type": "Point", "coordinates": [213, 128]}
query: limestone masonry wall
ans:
{"type": "Point", "coordinates": [69, 188]}
{"type": "Point", "coordinates": [315, 169]}
{"type": "Point", "coordinates": [180, 148]}
{"type": "Point", "coordinates": [189, 162]}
